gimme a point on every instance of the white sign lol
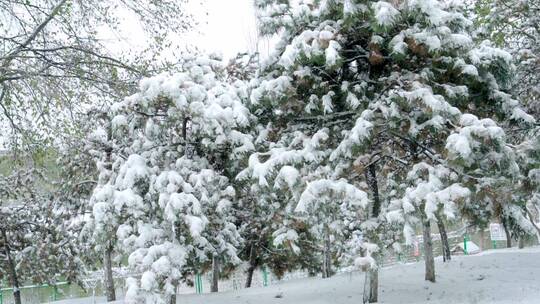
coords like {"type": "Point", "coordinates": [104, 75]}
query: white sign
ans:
{"type": "Point", "coordinates": [496, 232]}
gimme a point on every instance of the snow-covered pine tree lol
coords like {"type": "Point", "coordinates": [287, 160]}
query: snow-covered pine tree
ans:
{"type": "Point", "coordinates": [185, 139]}
{"type": "Point", "coordinates": [332, 210]}
{"type": "Point", "coordinates": [385, 90]}
{"type": "Point", "coordinates": [297, 190]}
{"type": "Point", "coordinates": [514, 25]}
{"type": "Point", "coordinates": [99, 230]}
{"type": "Point", "coordinates": [521, 217]}
{"type": "Point", "coordinates": [529, 153]}
{"type": "Point", "coordinates": [520, 38]}
{"type": "Point", "coordinates": [262, 214]}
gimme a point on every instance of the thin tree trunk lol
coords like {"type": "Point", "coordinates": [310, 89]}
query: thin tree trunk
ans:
{"type": "Point", "coordinates": [365, 268]}
{"type": "Point", "coordinates": [252, 265]}
{"type": "Point", "coordinates": [110, 290]}
{"type": "Point", "coordinates": [521, 242]}
{"type": "Point", "coordinates": [482, 239]}
{"type": "Point", "coordinates": [12, 271]}
{"type": "Point", "coordinates": [172, 298]}
{"type": "Point", "coordinates": [371, 177]}
{"type": "Point", "coordinates": [327, 259]}
{"type": "Point", "coordinates": [508, 235]}
{"type": "Point", "coordinates": [373, 285]}
{"type": "Point", "coordinates": [215, 274]}
{"type": "Point", "coordinates": [531, 219]}
{"type": "Point", "coordinates": [373, 273]}
{"type": "Point", "coordinates": [428, 248]}
{"type": "Point", "coordinates": [447, 256]}
{"type": "Point", "coordinates": [109, 280]}
{"type": "Point", "coordinates": [329, 270]}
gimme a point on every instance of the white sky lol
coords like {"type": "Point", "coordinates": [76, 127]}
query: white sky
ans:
{"type": "Point", "coordinates": [230, 27]}
{"type": "Point", "coordinates": [225, 26]}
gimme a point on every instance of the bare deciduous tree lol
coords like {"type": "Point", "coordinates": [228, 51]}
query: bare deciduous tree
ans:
{"type": "Point", "coordinates": [54, 60]}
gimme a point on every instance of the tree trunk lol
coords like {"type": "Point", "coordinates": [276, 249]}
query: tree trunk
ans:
{"type": "Point", "coordinates": [172, 298]}
{"type": "Point", "coordinates": [508, 235]}
{"type": "Point", "coordinates": [252, 265]}
{"type": "Point", "coordinates": [365, 268]}
{"type": "Point", "coordinates": [327, 257]}
{"type": "Point", "coordinates": [521, 242]}
{"type": "Point", "coordinates": [109, 280]}
{"type": "Point", "coordinates": [215, 274]}
{"type": "Point", "coordinates": [371, 177]}
{"type": "Point", "coordinates": [372, 294]}
{"type": "Point", "coordinates": [482, 240]}
{"type": "Point", "coordinates": [531, 219]}
{"type": "Point", "coordinates": [107, 254]}
{"type": "Point", "coordinates": [447, 256]}
{"type": "Point", "coordinates": [249, 277]}
{"type": "Point", "coordinates": [12, 271]}
{"type": "Point", "coordinates": [329, 270]}
{"type": "Point", "coordinates": [372, 276]}
{"type": "Point", "coordinates": [428, 248]}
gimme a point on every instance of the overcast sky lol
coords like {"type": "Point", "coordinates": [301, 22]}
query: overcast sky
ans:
{"type": "Point", "coordinates": [226, 26]}
{"type": "Point", "coordinates": [230, 26]}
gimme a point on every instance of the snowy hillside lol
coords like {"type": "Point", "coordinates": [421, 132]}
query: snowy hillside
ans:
{"type": "Point", "coordinates": [494, 276]}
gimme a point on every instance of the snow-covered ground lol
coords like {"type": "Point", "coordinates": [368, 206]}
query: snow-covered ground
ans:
{"type": "Point", "coordinates": [493, 276]}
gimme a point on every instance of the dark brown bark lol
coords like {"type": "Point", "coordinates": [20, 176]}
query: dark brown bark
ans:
{"type": "Point", "coordinates": [184, 129]}
{"type": "Point", "coordinates": [107, 268]}
{"type": "Point", "coordinates": [249, 277]}
{"type": "Point", "coordinates": [215, 274]}
{"type": "Point", "coordinates": [428, 247]}
{"type": "Point", "coordinates": [373, 273]}
{"type": "Point", "coordinates": [507, 232]}
{"type": "Point", "coordinates": [371, 177]}
{"type": "Point", "coordinates": [447, 256]}
{"type": "Point", "coordinates": [252, 265]}
{"type": "Point", "coordinates": [12, 271]}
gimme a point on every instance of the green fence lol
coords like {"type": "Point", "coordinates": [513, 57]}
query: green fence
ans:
{"type": "Point", "coordinates": [34, 293]}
